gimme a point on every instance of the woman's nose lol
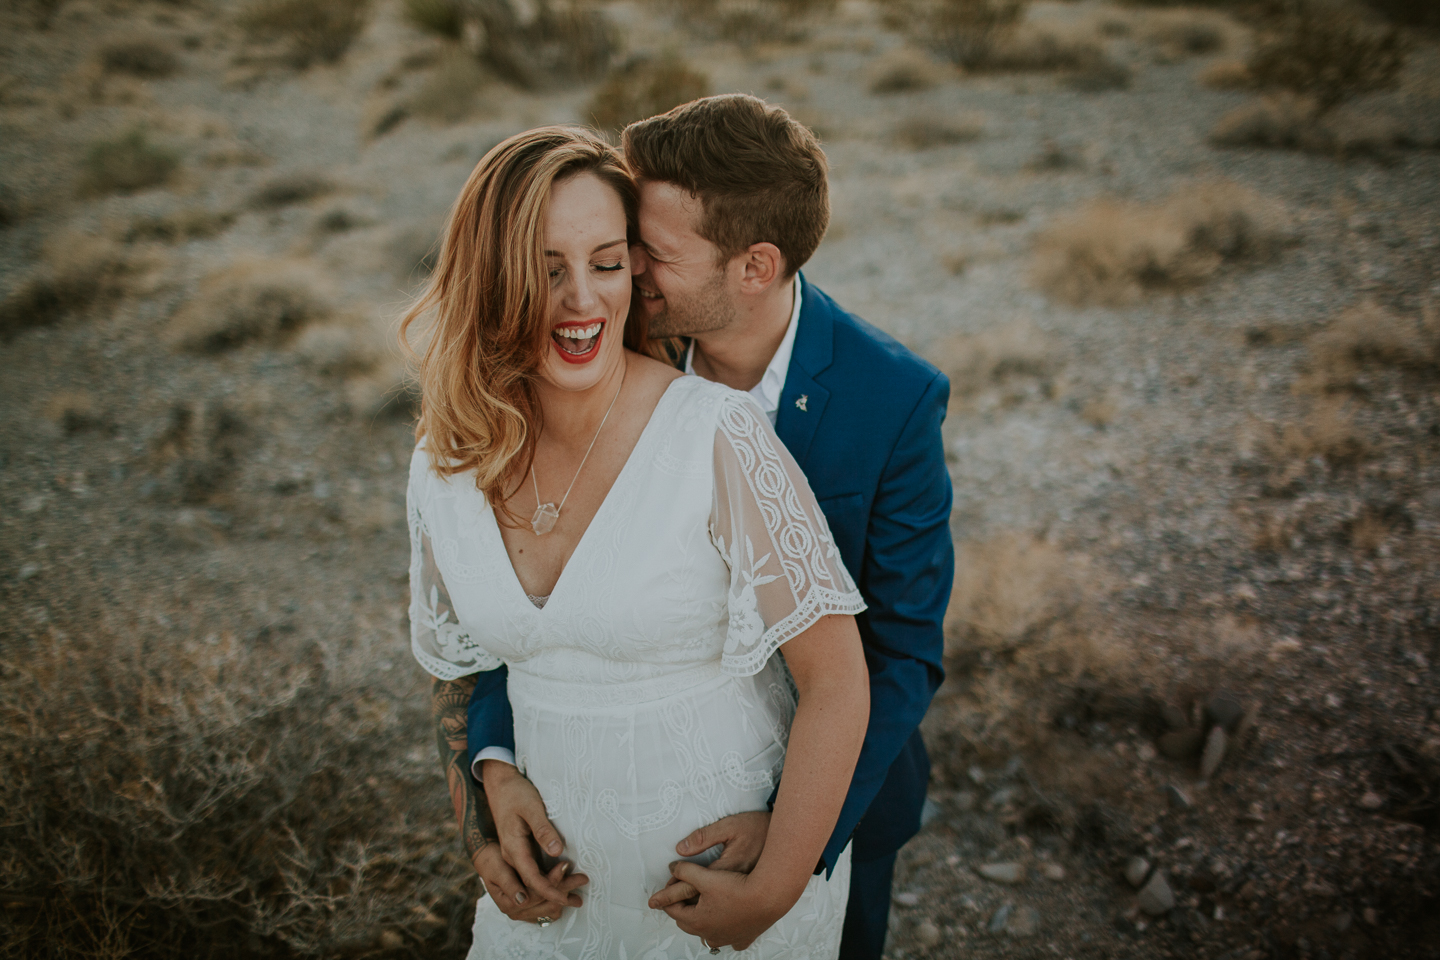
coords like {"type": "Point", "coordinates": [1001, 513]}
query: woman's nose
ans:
{"type": "Point", "coordinates": [580, 292]}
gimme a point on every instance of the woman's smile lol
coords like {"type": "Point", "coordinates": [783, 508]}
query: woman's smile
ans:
{"type": "Point", "coordinates": [578, 341]}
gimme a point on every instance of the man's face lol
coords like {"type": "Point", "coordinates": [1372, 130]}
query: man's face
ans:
{"type": "Point", "coordinates": [681, 287]}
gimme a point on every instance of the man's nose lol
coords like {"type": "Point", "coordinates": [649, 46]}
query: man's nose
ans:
{"type": "Point", "coordinates": [639, 261]}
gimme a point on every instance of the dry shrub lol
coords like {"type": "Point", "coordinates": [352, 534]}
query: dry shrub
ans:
{"type": "Point", "coordinates": [309, 31]}
{"type": "Point", "coordinates": [143, 57]}
{"type": "Point", "coordinates": [216, 797]}
{"type": "Point", "coordinates": [923, 133]}
{"type": "Point", "coordinates": [75, 411]}
{"type": "Point", "coordinates": [642, 88]}
{"type": "Point", "coordinates": [1369, 335]}
{"type": "Point", "coordinates": [441, 17]}
{"type": "Point", "coordinates": [968, 32]}
{"type": "Point", "coordinates": [748, 22]}
{"type": "Point", "coordinates": [125, 164]}
{"type": "Point", "coordinates": [977, 362]}
{"type": "Point", "coordinates": [77, 270]}
{"type": "Point", "coordinates": [451, 92]}
{"type": "Point", "coordinates": [189, 224]}
{"type": "Point", "coordinates": [904, 70]}
{"type": "Point", "coordinates": [546, 43]}
{"type": "Point", "coordinates": [1328, 432]}
{"type": "Point", "coordinates": [1290, 122]}
{"type": "Point", "coordinates": [1023, 598]}
{"type": "Point", "coordinates": [290, 188]}
{"type": "Point", "coordinates": [1328, 54]}
{"type": "Point", "coordinates": [1054, 157]}
{"type": "Point", "coordinates": [250, 301]}
{"type": "Point", "coordinates": [1185, 33]}
{"type": "Point", "coordinates": [1113, 253]}
{"type": "Point", "coordinates": [1227, 75]}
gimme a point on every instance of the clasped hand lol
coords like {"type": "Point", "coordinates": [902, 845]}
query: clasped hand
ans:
{"type": "Point", "coordinates": [720, 903]}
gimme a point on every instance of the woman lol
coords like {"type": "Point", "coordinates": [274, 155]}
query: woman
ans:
{"type": "Point", "coordinates": [635, 545]}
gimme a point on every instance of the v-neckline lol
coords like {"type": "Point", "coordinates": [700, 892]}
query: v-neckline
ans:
{"type": "Point", "coordinates": [599, 511]}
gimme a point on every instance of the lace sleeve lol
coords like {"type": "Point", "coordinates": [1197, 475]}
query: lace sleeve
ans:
{"type": "Point", "coordinates": [785, 572]}
{"type": "Point", "coordinates": [437, 639]}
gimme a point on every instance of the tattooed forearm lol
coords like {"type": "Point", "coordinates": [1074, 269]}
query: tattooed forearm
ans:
{"type": "Point", "coordinates": [449, 701]}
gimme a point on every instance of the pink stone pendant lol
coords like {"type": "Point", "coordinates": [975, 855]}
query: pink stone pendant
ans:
{"type": "Point", "coordinates": [544, 519]}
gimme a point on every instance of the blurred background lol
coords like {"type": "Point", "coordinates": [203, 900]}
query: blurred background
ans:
{"type": "Point", "coordinates": [1180, 261]}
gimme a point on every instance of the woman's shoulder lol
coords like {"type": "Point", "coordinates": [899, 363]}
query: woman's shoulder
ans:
{"type": "Point", "coordinates": [423, 475]}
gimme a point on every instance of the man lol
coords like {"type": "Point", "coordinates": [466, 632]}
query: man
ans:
{"type": "Point", "coordinates": [733, 202]}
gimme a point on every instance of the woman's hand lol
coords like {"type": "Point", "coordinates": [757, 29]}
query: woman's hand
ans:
{"type": "Point", "coordinates": [510, 895]}
{"type": "Point", "coordinates": [519, 815]}
{"type": "Point", "coordinates": [733, 908]}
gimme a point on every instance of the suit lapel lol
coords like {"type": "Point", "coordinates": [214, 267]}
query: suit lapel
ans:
{"type": "Point", "coordinates": [803, 400]}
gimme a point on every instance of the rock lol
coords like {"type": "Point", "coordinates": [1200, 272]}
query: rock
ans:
{"type": "Point", "coordinates": [27, 572]}
{"type": "Point", "coordinates": [1370, 916]}
{"type": "Point", "coordinates": [929, 811]}
{"type": "Point", "coordinates": [1214, 752]}
{"type": "Point", "coordinates": [1000, 918]}
{"type": "Point", "coordinates": [965, 801]}
{"type": "Point", "coordinates": [906, 899]}
{"type": "Point", "coordinates": [1156, 898]}
{"type": "Point", "coordinates": [927, 934]}
{"type": "Point", "coordinates": [1145, 752]}
{"type": "Point", "coordinates": [1255, 813]}
{"type": "Point", "coordinates": [1372, 800]}
{"type": "Point", "coordinates": [1137, 870]}
{"type": "Point", "coordinates": [1023, 922]}
{"type": "Point", "coordinates": [976, 775]}
{"type": "Point", "coordinates": [1181, 744]}
{"type": "Point", "coordinates": [1174, 717]}
{"type": "Point", "coordinates": [1177, 798]}
{"type": "Point", "coordinates": [391, 940]}
{"type": "Point", "coordinates": [1001, 797]}
{"type": "Point", "coordinates": [1224, 709]}
{"type": "Point", "coordinates": [1052, 871]}
{"type": "Point", "coordinates": [1247, 723]}
{"type": "Point", "coordinates": [1011, 873]}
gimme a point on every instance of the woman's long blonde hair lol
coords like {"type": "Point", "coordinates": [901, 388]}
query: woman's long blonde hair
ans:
{"type": "Point", "coordinates": [489, 300]}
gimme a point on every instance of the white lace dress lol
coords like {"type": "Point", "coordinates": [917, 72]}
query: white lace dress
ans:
{"type": "Point", "coordinates": [647, 701]}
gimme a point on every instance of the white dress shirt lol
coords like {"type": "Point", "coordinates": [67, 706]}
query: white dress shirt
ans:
{"type": "Point", "coordinates": [766, 393]}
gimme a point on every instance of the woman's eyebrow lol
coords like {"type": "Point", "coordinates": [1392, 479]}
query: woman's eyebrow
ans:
{"type": "Point", "coordinates": [603, 246]}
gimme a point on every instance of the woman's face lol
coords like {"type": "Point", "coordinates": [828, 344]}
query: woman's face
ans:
{"type": "Point", "coordinates": [589, 264]}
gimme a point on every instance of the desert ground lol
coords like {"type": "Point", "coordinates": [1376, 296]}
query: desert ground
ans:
{"type": "Point", "coordinates": [1181, 264]}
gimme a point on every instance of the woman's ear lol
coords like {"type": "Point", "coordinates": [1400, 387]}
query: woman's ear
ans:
{"type": "Point", "coordinates": [763, 265]}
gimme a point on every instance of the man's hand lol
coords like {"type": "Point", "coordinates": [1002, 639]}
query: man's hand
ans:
{"type": "Point", "coordinates": [733, 908]}
{"type": "Point", "coordinates": [519, 815]}
{"type": "Point", "coordinates": [504, 886]}
{"type": "Point", "coordinates": [743, 835]}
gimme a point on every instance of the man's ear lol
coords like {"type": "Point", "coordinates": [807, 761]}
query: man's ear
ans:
{"type": "Point", "coordinates": [762, 265]}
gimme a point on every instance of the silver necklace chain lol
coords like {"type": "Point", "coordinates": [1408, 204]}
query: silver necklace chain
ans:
{"type": "Point", "coordinates": [547, 514]}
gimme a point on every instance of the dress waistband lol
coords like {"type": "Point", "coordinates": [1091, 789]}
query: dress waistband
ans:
{"type": "Point", "coordinates": [600, 693]}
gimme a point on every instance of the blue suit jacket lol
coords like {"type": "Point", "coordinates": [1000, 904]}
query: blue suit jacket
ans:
{"type": "Point", "coordinates": [866, 432]}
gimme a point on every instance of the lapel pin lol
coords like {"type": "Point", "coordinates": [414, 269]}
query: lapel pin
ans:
{"type": "Point", "coordinates": [800, 401]}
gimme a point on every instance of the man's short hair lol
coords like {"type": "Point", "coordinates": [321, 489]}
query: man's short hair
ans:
{"type": "Point", "coordinates": [760, 175]}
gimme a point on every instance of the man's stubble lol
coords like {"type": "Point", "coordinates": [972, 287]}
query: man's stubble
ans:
{"type": "Point", "coordinates": [704, 312]}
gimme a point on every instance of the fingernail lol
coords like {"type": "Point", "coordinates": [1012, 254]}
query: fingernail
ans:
{"type": "Point", "coordinates": [520, 897]}
{"type": "Point", "coordinates": [565, 869]}
{"type": "Point", "coordinates": [555, 848]}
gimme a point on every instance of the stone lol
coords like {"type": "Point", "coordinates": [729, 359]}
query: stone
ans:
{"type": "Point", "coordinates": [27, 572]}
{"type": "Point", "coordinates": [1181, 744]}
{"type": "Point", "coordinates": [906, 899]}
{"type": "Point", "coordinates": [1224, 709]}
{"type": "Point", "coordinates": [1372, 800]}
{"type": "Point", "coordinates": [1000, 918]}
{"type": "Point", "coordinates": [1178, 798]}
{"type": "Point", "coordinates": [1247, 722]}
{"type": "Point", "coordinates": [965, 801]}
{"type": "Point", "coordinates": [1213, 753]}
{"type": "Point", "coordinates": [1008, 873]}
{"type": "Point", "coordinates": [1136, 870]}
{"type": "Point", "coordinates": [1145, 752]}
{"type": "Point", "coordinates": [1174, 717]}
{"type": "Point", "coordinates": [1052, 871]}
{"type": "Point", "coordinates": [1156, 898]}
{"type": "Point", "coordinates": [927, 934]}
{"type": "Point", "coordinates": [1024, 922]}
{"type": "Point", "coordinates": [391, 940]}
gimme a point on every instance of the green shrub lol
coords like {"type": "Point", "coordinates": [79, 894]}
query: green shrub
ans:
{"type": "Point", "coordinates": [559, 46]}
{"type": "Point", "coordinates": [125, 164]}
{"type": "Point", "coordinates": [642, 88]}
{"type": "Point", "coordinates": [1327, 54]}
{"type": "Point", "coordinates": [311, 30]}
{"type": "Point", "coordinates": [290, 188]}
{"type": "Point", "coordinates": [442, 17]}
{"type": "Point", "coordinates": [140, 57]}
{"type": "Point", "coordinates": [192, 224]}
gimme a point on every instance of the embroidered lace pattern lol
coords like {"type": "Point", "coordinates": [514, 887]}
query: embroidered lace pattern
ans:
{"type": "Point", "coordinates": [646, 698]}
